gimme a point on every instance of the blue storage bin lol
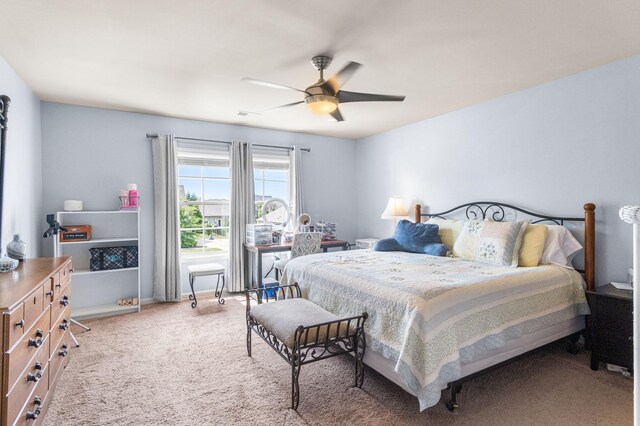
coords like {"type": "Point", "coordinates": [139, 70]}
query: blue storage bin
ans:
{"type": "Point", "coordinates": [268, 288]}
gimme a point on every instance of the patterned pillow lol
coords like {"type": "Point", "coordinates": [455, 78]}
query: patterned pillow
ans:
{"type": "Point", "coordinates": [490, 242]}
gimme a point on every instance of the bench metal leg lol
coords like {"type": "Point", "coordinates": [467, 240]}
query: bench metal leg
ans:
{"type": "Point", "coordinates": [295, 386]}
{"type": "Point", "coordinates": [359, 345]}
{"type": "Point", "coordinates": [192, 296]}
{"type": "Point", "coordinates": [248, 336]}
{"type": "Point", "coordinates": [219, 293]}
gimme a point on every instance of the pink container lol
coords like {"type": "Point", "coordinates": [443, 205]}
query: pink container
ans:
{"type": "Point", "coordinates": [133, 195]}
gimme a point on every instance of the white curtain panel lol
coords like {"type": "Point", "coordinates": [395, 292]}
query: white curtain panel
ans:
{"type": "Point", "coordinates": [166, 272]}
{"type": "Point", "coordinates": [295, 175]}
{"type": "Point", "coordinates": [242, 212]}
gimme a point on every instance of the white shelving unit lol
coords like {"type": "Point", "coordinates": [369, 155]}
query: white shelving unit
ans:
{"type": "Point", "coordinates": [96, 292]}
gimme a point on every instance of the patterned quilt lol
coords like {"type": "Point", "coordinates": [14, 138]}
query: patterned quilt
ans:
{"type": "Point", "coordinates": [426, 312]}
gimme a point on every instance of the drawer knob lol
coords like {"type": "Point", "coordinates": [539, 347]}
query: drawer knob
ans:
{"type": "Point", "coordinates": [37, 366]}
{"type": "Point", "coordinates": [34, 377]}
{"type": "Point", "coordinates": [58, 285]}
{"type": "Point", "coordinates": [63, 352]}
{"type": "Point", "coordinates": [35, 342]}
{"type": "Point", "coordinates": [64, 301]}
{"type": "Point", "coordinates": [20, 324]}
{"type": "Point", "coordinates": [72, 270]}
{"type": "Point", "coordinates": [39, 333]}
{"type": "Point", "coordinates": [32, 415]}
{"type": "Point", "coordinates": [64, 324]}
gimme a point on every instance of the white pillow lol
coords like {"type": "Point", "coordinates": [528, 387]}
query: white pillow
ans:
{"type": "Point", "coordinates": [560, 247]}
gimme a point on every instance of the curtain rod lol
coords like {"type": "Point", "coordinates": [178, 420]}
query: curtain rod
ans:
{"type": "Point", "coordinates": [288, 148]}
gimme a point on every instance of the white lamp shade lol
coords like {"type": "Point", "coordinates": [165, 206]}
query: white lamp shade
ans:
{"type": "Point", "coordinates": [395, 208]}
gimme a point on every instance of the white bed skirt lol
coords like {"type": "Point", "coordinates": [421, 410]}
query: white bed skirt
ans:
{"type": "Point", "coordinates": [513, 348]}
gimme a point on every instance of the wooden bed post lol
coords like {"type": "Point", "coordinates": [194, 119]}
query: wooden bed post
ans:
{"type": "Point", "coordinates": [418, 217]}
{"type": "Point", "coordinates": [590, 245]}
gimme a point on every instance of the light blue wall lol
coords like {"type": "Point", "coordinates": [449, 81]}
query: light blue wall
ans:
{"type": "Point", "coordinates": [22, 212]}
{"type": "Point", "coordinates": [550, 148]}
{"type": "Point", "coordinates": [95, 152]}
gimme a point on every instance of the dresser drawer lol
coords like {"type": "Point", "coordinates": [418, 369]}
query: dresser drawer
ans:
{"type": "Point", "coordinates": [32, 409]}
{"type": "Point", "coordinates": [27, 382]}
{"type": "Point", "coordinates": [14, 325]}
{"type": "Point", "coordinates": [60, 304]}
{"type": "Point", "coordinates": [34, 304]}
{"type": "Point", "coordinates": [65, 274]}
{"type": "Point", "coordinates": [59, 356]}
{"type": "Point", "coordinates": [18, 357]}
{"type": "Point", "coordinates": [41, 358]}
{"type": "Point", "coordinates": [60, 326]}
{"type": "Point", "coordinates": [56, 285]}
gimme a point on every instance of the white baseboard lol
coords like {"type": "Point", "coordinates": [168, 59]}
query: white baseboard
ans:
{"type": "Point", "coordinates": [185, 296]}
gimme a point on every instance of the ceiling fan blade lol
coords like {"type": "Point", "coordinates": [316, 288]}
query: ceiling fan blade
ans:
{"type": "Point", "coordinates": [344, 97]}
{"type": "Point", "coordinates": [337, 115]}
{"type": "Point", "coordinates": [284, 106]}
{"type": "Point", "coordinates": [269, 84]}
{"type": "Point", "coordinates": [342, 76]}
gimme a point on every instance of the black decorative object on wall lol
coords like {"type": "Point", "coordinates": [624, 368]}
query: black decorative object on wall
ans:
{"type": "Point", "coordinates": [7, 264]}
{"type": "Point", "coordinates": [4, 110]}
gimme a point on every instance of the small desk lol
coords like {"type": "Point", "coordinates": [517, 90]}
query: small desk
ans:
{"type": "Point", "coordinates": [259, 250]}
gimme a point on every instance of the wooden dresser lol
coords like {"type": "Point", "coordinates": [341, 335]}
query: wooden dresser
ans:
{"type": "Point", "coordinates": [34, 301]}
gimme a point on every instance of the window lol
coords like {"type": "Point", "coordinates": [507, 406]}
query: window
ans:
{"type": "Point", "coordinates": [270, 179]}
{"type": "Point", "coordinates": [204, 190]}
{"type": "Point", "coordinates": [204, 193]}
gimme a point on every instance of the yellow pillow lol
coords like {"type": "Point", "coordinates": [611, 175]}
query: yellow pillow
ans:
{"type": "Point", "coordinates": [532, 245]}
{"type": "Point", "coordinates": [449, 230]}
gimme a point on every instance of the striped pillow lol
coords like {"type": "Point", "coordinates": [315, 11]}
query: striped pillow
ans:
{"type": "Point", "coordinates": [497, 243]}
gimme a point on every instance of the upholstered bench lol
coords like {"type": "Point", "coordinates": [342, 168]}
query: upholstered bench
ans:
{"type": "Point", "coordinates": [204, 270]}
{"type": "Point", "coordinates": [302, 332]}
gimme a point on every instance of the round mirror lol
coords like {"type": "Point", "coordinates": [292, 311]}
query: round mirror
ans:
{"type": "Point", "coordinates": [276, 212]}
{"type": "Point", "coordinates": [304, 219]}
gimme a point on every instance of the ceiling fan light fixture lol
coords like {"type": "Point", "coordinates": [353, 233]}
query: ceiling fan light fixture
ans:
{"type": "Point", "coordinates": [321, 104]}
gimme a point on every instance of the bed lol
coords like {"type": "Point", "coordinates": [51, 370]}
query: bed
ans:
{"type": "Point", "coordinates": [435, 322]}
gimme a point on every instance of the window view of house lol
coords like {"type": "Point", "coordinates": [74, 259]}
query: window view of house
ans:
{"type": "Point", "coordinates": [268, 184]}
{"type": "Point", "coordinates": [204, 194]}
{"type": "Point", "coordinates": [204, 197]}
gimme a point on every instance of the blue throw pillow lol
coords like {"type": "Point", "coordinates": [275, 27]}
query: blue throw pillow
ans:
{"type": "Point", "coordinates": [414, 238]}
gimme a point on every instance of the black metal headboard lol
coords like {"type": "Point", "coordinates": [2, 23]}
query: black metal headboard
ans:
{"type": "Point", "coordinates": [496, 211]}
{"type": "Point", "coordinates": [4, 110]}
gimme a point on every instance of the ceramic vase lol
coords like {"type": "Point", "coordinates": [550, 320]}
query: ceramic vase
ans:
{"type": "Point", "coordinates": [17, 249]}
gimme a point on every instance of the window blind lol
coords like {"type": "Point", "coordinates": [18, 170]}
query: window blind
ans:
{"type": "Point", "coordinates": [195, 154]}
{"type": "Point", "coordinates": [270, 160]}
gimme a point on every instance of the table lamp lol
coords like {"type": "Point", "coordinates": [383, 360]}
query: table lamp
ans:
{"type": "Point", "coordinates": [395, 209]}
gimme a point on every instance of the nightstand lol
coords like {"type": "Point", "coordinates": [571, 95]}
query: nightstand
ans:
{"type": "Point", "coordinates": [611, 328]}
{"type": "Point", "coordinates": [365, 243]}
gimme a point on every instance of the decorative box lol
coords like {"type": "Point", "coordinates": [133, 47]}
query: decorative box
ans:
{"type": "Point", "coordinates": [328, 230]}
{"type": "Point", "coordinates": [259, 234]}
{"type": "Point", "coordinates": [76, 233]}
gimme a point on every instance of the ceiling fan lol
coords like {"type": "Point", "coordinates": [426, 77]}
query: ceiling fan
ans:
{"type": "Point", "coordinates": [324, 96]}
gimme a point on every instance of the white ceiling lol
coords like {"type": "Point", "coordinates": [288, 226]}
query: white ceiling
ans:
{"type": "Point", "coordinates": [186, 58]}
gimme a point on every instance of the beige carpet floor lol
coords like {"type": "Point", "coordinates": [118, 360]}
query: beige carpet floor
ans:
{"type": "Point", "coordinates": [173, 365]}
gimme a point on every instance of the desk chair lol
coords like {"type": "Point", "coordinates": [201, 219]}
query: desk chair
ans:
{"type": "Point", "coordinates": [304, 243]}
